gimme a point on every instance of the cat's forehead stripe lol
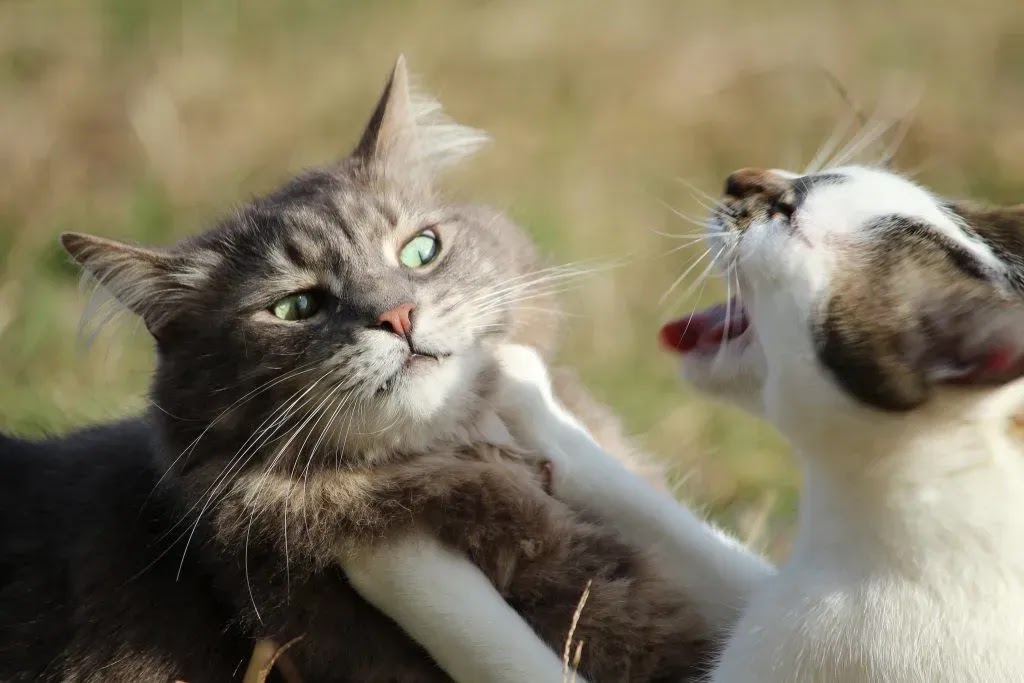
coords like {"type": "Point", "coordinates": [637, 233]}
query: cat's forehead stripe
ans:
{"type": "Point", "coordinates": [804, 185]}
{"type": "Point", "coordinates": [865, 196]}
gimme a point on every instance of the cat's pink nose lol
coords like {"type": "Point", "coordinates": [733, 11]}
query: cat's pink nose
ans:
{"type": "Point", "coordinates": [397, 319]}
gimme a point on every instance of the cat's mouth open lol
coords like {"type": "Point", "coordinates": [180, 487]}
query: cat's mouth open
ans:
{"type": "Point", "coordinates": [709, 330]}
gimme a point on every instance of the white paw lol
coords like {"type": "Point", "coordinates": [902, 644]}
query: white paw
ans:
{"type": "Point", "coordinates": [523, 397]}
{"type": "Point", "coordinates": [525, 401]}
{"type": "Point", "coordinates": [524, 386]}
{"type": "Point", "coordinates": [523, 366]}
{"type": "Point", "coordinates": [572, 463]}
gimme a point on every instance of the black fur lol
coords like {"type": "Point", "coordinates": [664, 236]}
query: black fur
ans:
{"type": "Point", "coordinates": [85, 584]}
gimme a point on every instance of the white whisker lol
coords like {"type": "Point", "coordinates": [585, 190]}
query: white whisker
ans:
{"type": "Point", "coordinates": [831, 143]}
{"type": "Point", "coordinates": [682, 276]}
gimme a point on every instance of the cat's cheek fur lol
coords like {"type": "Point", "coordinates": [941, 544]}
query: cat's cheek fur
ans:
{"type": "Point", "coordinates": [429, 393]}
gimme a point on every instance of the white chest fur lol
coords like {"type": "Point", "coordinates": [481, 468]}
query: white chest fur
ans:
{"type": "Point", "coordinates": [909, 562]}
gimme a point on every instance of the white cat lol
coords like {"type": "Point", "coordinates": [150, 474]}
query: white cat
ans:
{"type": "Point", "coordinates": [884, 331]}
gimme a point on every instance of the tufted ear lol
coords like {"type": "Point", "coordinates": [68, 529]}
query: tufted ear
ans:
{"type": "Point", "coordinates": [147, 282]}
{"type": "Point", "coordinates": [410, 134]}
{"type": "Point", "coordinates": [1001, 227]}
{"type": "Point", "coordinates": [985, 335]}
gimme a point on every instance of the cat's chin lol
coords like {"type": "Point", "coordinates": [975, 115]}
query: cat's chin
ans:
{"type": "Point", "coordinates": [435, 391]}
{"type": "Point", "coordinates": [719, 353]}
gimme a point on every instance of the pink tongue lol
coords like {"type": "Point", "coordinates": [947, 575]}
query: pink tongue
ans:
{"type": "Point", "coordinates": [706, 329]}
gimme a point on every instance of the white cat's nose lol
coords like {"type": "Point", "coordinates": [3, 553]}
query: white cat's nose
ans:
{"type": "Point", "coordinates": [748, 182]}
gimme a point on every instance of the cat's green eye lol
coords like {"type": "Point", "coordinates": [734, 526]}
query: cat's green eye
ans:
{"type": "Point", "coordinates": [420, 250]}
{"type": "Point", "coordinates": [296, 306]}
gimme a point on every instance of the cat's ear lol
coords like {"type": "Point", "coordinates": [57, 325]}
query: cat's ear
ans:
{"type": "Point", "coordinates": [977, 345]}
{"type": "Point", "coordinates": [985, 340]}
{"type": "Point", "coordinates": [147, 282]}
{"type": "Point", "coordinates": [410, 135]}
{"type": "Point", "coordinates": [1001, 227]}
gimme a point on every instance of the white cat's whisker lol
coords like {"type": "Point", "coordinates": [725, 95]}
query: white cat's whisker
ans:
{"type": "Point", "coordinates": [245, 561]}
{"type": "Point", "coordinates": [254, 492]}
{"type": "Point", "coordinates": [507, 299]}
{"type": "Point", "coordinates": [252, 496]}
{"type": "Point", "coordinates": [710, 208]}
{"type": "Point", "coordinates": [715, 202]}
{"type": "Point", "coordinates": [889, 153]}
{"type": "Point", "coordinates": [870, 137]}
{"type": "Point", "coordinates": [728, 317]}
{"type": "Point", "coordinates": [699, 222]}
{"type": "Point", "coordinates": [214, 483]}
{"type": "Point", "coordinates": [874, 128]}
{"type": "Point", "coordinates": [830, 144]}
{"type": "Point", "coordinates": [858, 134]}
{"type": "Point", "coordinates": [682, 247]}
{"type": "Point", "coordinates": [683, 275]}
{"type": "Point", "coordinates": [693, 235]}
{"type": "Point", "coordinates": [701, 280]}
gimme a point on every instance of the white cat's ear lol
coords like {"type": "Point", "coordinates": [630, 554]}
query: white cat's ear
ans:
{"type": "Point", "coordinates": [410, 134]}
{"type": "Point", "coordinates": [978, 347]}
{"type": "Point", "coordinates": [991, 336]}
{"type": "Point", "coordinates": [147, 282]}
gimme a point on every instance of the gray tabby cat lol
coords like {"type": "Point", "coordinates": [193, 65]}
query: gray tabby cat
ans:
{"type": "Point", "coordinates": [323, 390]}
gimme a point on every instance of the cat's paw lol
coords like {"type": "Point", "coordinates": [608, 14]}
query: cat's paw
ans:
{"type": "Point", "coordinates": [524, 400]}
{"type": "Point", "coordinates": [523, 366]}
{"type": "Point", "coordinates": [524, 390]}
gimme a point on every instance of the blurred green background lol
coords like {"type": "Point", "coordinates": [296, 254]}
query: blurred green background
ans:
{"type": "Point", "coordinates": [146, 119]}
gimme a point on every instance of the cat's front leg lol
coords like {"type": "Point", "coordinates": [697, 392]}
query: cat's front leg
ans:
{"type": "Point", "coordinates": [712, 568]}
{"type": "Point", "coordinates": [447, 604]}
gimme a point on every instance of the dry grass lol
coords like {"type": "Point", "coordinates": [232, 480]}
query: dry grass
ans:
{"type": "Point", "coordinates": [144, 119]}
{"type": "Point", "coordinates": [268, 655]}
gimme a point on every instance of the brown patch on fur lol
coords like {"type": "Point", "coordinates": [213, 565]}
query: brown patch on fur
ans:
{"type": "Point", "coordinates": [755, 181]}
{"type": "Point", "coordinates": [860, 340]}
{"type": "Point", "coordinates": [1001, 226]}
{"type": "Point", "coordinates": [1016, 426]}
{"type": "Point", "coordinates": [901, 310]}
